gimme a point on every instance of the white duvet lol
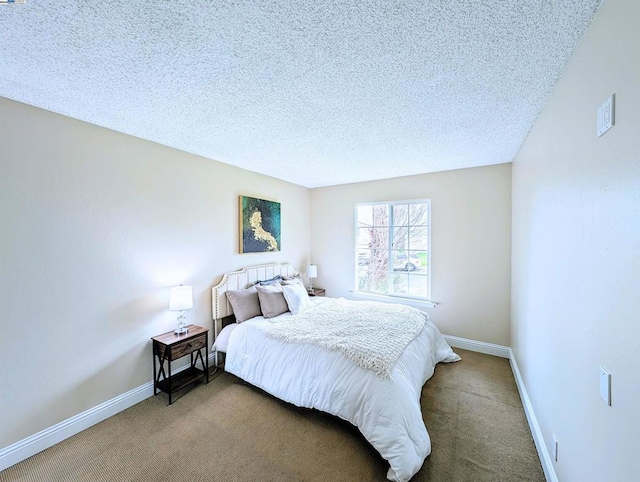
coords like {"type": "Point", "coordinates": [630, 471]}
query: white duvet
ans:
{"type": "Point", "coordinates": [387, 411]}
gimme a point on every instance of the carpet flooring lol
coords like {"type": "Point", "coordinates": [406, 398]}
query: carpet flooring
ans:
{"type": "Point", "coordinates": [229, 431]}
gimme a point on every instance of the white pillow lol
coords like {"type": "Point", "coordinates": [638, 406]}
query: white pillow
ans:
{"type": "Point", "coordinates": [297, 297]}
{"type": "Point", "coordinates": [291, 281]}
{"type": "Point", "coordinates": [223, 338]}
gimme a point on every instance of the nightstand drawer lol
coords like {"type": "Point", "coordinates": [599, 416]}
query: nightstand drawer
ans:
{"type": "Point", "coordinates": [187, 346]}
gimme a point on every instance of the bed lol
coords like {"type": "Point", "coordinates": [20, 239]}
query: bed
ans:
{"type": "Point", "coordinates": [379, 396]}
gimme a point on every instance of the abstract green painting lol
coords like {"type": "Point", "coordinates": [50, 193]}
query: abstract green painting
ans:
{"type": "Point", "coordinates": [259, 225]}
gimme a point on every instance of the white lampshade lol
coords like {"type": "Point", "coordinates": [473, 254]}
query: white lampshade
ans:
{"type": "Point", "coordinates": [181, 298]}
{"type": "Point", "coordinates": [312, 271]}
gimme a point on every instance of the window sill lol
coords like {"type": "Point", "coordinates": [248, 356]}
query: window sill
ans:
{"type": "Point", "coordinates": [393, 299]}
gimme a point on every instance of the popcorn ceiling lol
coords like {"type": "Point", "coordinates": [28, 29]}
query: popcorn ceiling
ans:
{"type": "Point", "coordinates": [316, 93]}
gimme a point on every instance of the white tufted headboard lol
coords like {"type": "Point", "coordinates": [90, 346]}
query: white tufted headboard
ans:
{"type": "Point", "coordinates": [237, 280]}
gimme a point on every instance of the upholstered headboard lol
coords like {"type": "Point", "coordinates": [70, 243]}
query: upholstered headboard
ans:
{"type": "Point", "coordinates": [238, 280]}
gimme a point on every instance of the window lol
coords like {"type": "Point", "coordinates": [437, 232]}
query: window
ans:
{"type": "Point", "coordinates": [393, 249]}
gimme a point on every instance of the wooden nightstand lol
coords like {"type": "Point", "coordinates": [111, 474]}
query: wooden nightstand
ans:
{"type": "Point", "coordinates": [316, 292]}
{"type": "Point", "coordinates": [169, 347]}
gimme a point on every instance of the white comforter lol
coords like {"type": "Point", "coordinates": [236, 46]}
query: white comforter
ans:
{"type": "Point", "coordinates": [387, 411]}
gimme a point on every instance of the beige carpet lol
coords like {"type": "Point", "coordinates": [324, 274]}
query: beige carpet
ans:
{"type": "Point", "coordinates": [230, 431]}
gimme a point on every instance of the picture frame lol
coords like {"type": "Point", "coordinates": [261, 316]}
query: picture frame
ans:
{"type": "Point", "coordinates": [260, 225]}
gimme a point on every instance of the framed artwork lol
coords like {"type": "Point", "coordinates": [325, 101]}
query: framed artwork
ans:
{"type": "Point", "coordinates": [259, 225]}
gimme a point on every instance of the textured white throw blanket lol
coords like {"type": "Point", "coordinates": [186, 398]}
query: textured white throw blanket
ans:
{"type": "Point", "coordinates": [370, 334]}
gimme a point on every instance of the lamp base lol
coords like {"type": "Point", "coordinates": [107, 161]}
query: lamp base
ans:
{"type": "Point", "coordinates": [182, 325]}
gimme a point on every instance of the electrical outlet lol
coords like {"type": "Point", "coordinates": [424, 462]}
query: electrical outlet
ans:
{"type": "Point", "coordinates": [555, 448]}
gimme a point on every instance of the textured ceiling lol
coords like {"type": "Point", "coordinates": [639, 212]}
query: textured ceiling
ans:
{"type": "Point", "coordinates": [314, 92]}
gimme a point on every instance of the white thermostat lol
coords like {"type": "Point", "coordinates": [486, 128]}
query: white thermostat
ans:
{"type": "Point", "coordinates": [606, 115]}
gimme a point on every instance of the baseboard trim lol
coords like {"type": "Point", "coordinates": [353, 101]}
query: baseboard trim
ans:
{"type": "Point", "coordinates": [44, 439]}
{"type": "Point", "coordinates": [541, 446]}
{"type": "Point", "coordinates": [48, 437]}
{"type": "Point", "coordinates": [506, 352]}
{"type": "Point", "coordinates": [478, 346]}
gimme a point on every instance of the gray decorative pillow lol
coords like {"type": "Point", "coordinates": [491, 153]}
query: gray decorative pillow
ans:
{"type": "Point", "coordinates": [270, 281]}
{"type": "Point", "coordinates": [272, 300]}
{"type": "Point", "coordinates": [245, 303]}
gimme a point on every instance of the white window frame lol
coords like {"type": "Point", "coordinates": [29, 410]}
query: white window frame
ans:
{"type": "Point", "coordinates": [392, 297]}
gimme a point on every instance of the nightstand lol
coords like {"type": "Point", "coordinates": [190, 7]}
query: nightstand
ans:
{"type": "Point", "coordinates": [316, 292]}
{"type": "Point", "coordinates": [171, 346]}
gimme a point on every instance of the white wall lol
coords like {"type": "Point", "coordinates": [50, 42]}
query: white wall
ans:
{"type": "Point", "coordinates": [471, 256]}
{"type": "Point", "coordinates": [576, 256]}
{"type": "Point", "coordinates": [96, 227]}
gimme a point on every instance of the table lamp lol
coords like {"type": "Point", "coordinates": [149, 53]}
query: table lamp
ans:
{"type": "Point", "coordinates": [180, 299]}
{"type": "Point", "coordinates": [312, 272]}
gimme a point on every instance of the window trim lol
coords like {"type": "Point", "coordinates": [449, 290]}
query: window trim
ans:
{"type": "Point", "coordinates": [417, 302]}
{"type": "Point", "coordinates": [401, 298]}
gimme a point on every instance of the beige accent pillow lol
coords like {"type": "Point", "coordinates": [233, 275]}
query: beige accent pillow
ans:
{"type": "Point", "coordinates": [272, 302]}
{"type": "Point", "coordinates": [245, 303]}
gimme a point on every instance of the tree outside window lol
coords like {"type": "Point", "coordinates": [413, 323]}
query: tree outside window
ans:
{"type": "Point", "coordinates": [393, 247]}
